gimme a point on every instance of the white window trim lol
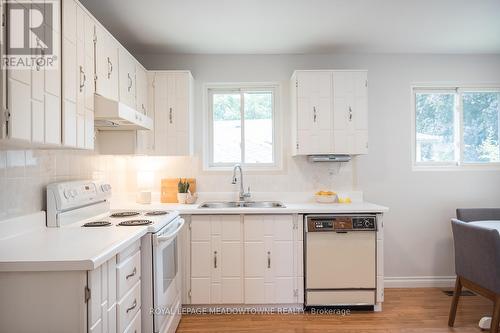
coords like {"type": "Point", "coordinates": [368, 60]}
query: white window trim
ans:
{"type": "Point", "coordinates": [459, 144]}
{"type": "Point", "coordinates": [277, 127]}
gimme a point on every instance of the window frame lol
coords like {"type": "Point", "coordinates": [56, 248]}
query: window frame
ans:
{"type": "Point", "coordinates": [208, 151]}
{"type": "Point", "coordinates": [459, 163]}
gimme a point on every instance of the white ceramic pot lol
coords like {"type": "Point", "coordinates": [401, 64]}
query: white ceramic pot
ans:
{"type": "Point", "coordinates": [181, 198]}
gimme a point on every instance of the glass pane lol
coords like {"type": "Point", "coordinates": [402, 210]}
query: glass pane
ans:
{"type": "Point", "coordinates": [435, 127]}
{"type": "Point", "coordinates": [169, 257]}
{"type": "Point", "coordinates": [258, 127]}
{"type": "Point", "coordinates": [227, 128]}
{"type": "Point", "coordinates": [481, 113]}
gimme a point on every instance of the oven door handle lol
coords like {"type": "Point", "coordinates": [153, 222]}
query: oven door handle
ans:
{"type": "Point", "coordinates": [172, 234]}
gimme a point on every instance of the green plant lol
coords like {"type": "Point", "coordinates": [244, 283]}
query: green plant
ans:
{"type": "Point", "coordinates": [183, 186]}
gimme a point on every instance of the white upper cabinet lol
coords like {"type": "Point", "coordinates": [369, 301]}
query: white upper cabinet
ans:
{"type": "Point", "coordinates": [141, 80]}
{"type": "Point", "coordinates": [350, 121]}
{"type": "Point", "coordinates": [329, 112]}
{"type": "Point", "coordinates": [78, 77]}
{"type": "Point", "coordinates": [127, 85]}
{"type": "Point", "coordinates": [172, 102]}
{"type": "Point", "coordinates": [33, 115]}
{"type": "Point", "coordinates": [106, 64]}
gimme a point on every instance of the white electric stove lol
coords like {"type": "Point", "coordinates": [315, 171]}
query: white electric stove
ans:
{"type": "Point", "coordinates": [86, 204]}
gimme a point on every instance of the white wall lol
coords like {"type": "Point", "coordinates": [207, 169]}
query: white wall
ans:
{"type": "Point", "coordinates": [418, 235]}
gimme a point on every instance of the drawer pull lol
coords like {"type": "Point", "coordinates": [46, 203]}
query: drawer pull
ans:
{"type": "Point", "coordinates": [132, 307]}
{"type": "Point", "coordinates": [131, 274]}
{"type": "Point", "coordinates": [215, 259]}
{"type": "Point", "coordinates": [268, 259]}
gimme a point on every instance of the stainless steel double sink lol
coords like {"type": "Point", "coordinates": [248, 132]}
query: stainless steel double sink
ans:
{"type": "Point", "coordinates": [242, 204]}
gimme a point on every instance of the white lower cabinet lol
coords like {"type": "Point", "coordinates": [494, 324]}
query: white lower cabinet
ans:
{"type": "Point", "coordinates": [105, 300]}
{"type": "Point", "coordinates": [245, 259]}
{"type": "Point", "coordinates": [216, 254]}
{"type": "Point", "coordinates": [269, 259]}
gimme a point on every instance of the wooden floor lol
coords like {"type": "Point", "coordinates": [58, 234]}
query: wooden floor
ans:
{"type": "Point", "coordinates": [405, 310]}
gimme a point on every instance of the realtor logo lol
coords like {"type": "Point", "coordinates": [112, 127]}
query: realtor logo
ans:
{"type": "Point", "coordinates": [30, 37]}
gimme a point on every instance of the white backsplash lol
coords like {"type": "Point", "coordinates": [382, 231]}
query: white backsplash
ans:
{"type": "Point", "coordinates": [298, 175]}
{"type": "Point", "coordinates": [25, 173]}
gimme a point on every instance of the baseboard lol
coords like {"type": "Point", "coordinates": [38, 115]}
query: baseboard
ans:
{"type": "Point", "coordinates": [419, 281]}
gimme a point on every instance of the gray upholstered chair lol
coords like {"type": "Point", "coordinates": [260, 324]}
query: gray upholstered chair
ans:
{"type": "Point", "coordinates": [477, 259]}
{"type": "Point", "coordinates": [478, 214]}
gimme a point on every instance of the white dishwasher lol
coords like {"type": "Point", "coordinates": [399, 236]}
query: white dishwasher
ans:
{"type": "Point", "coordinates": [340, 254]}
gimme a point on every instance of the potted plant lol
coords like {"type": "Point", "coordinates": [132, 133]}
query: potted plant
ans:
{"type": "Point", "coordinates": [183, 190]}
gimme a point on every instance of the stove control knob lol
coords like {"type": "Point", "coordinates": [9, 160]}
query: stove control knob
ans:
{"type": "Point", "coordinates": [367, 223]}
{"type": "Point", "coordinates": [73, 193]}
{"type": "Point", "coordinates": [105, 187]}
{"type": "Point", "coordinates": [67, 194]}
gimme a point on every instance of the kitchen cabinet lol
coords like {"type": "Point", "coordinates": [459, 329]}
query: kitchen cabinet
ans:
{"type": "Point", "coordinates": [270, 268]}
{"type": "Point", "coordinates": [105, 299]}
{"type": "Point", "coordinates": [32, 95]}
{"type": "Point", "coordinates": [141, 78]}
{"type": "Point", "coordinates": [245, 259]}
{"type": "Point", "coordinates": [217, 256]}
{"type": "Point", "coordinates": [127, 78]}
{"type": "Point", "coordinates": [329, 112]}
{"type": "Point", "coordinates": [173, 113]}
{"type": "Point", "coordinates": [78, 54]}
{"type": "Point", "coordinates": [106, 64]}
{"type": "Point", "coordinates": [350, 116]}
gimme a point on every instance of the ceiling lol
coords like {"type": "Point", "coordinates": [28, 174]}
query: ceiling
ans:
{"type": "Point", "coordinates": [302, 26]}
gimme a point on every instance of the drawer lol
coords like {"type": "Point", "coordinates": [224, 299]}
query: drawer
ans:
{"type": "Point", "coordinates": [128, 252]}
{"type": "Point", "coordinates": [135, 325]}
{"type": "Point", "coordinates": [128, 307]}
{"type": "Point", "coordinates": [128, 273]}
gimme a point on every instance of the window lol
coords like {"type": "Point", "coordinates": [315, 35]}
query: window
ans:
{"type": "Point", "coordinates": [457, 126]}
{"type": "Point", "coordinates": [242, 126]}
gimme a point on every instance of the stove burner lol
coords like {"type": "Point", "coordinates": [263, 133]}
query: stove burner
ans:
{"type": "Point", "coordinates": [157, 212]}
{"type": "Point", "coordinates": [135, 222]}
{"type": "Point", "coordinates": [124, 214]}
{"type": "Point", "coordinates": [97, 224]}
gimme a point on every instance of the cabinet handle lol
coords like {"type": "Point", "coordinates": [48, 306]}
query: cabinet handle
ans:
{"type": "Point", "coordinates": [268, 259]}
{"type": "Point", "coordinates": [170, 117]}
{"type": "Point", "coordinates": [110, 68]}
{"type": "Point", "coordinates": [130, 82]}
{"type": "Point", "coordinates": [132, 307]}
{"type": "Point", "coordinates": [350, 113]}
{"type": "Point", "coordinates": [131, 274]}
{"type": "Point", "coordinates": [84, 77]}
{"type": "Point", "coordinates": [215, 259]}
{"type": "Point", "coordinates": [315, 114]}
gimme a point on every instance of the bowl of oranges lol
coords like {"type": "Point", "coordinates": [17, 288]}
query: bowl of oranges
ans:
{"type": "Point", "coordinates": [326, 197]}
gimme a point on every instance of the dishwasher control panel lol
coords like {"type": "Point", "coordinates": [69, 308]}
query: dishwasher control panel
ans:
{"type": "Point", "coordinates": [341, 223]}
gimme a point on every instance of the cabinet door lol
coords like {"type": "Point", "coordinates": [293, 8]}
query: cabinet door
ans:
{"type": "Point", "coordinates": [19, 105]}
{"type": "Point", "coordinates": [269, 259]}
{"type": "Point", "coordinates": [350, 112]}
{"type": "Point", "coordinates": [141, 89]}
{"type": "Point", "coordinates": [172, 94]}
{"type": "Point", "coordinates": [106, 64]}
{"type": "Point", "coordinates": [314, 112]}
{"type": "Point", "coordinates": [127, 78]}
{"type": "Point", "coordinates": [216, 260]}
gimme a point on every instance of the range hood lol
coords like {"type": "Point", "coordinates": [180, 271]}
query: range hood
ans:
{"type": "Point", "coordinates": [112, 115]}
{"type": "Point", "coordinates": [329, 158]}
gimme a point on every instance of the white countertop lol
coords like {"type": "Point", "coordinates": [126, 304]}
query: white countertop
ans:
{"type": "Point", "coordinates": [291, 208]}
{"type": "Point", "coordinates": [63, 249]}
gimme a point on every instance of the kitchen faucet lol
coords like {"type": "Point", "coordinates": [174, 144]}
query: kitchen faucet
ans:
{"type": "Point", "coordinates": [242, 195]}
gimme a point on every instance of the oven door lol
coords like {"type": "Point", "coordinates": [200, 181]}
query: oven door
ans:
{"type": "Point", "coordinates": [167, 278]}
